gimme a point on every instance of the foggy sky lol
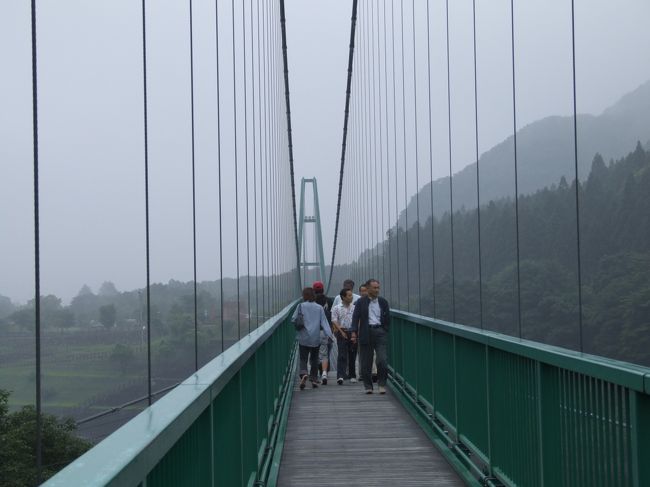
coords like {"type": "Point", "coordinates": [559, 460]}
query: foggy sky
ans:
{"type": "Point", "coordinates": [91, 132]}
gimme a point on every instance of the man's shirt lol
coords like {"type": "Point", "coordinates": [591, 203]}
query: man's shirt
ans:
{"type": "Point", "coordinates": [342, 315]}
{"type": "Point", "coordinates": [374, 313]}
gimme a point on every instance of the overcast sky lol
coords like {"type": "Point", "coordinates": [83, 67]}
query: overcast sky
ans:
{"type": "Point", "coordinates": [90, 117]}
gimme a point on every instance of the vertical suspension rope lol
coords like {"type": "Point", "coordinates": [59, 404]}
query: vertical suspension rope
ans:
{"type": "Point", "coordinates": [514, 123]}
{"type": "Point", "coordinates": [451, 184]}
{"type": "Point", "coordinates": [259, 158]}
{"type": "Point", "coordinates": [248, 255]}
{"type": "Point", "coordinates": [417, 162]}
{"type": "Point", "coordinates": [381, 191]}
{"type": "Point", "coordinates": [375, 191]}
{"type": "Point", "coordinates": [235, 161]}
{"type": "Point", "coordinates": [196, 314]}
{"type": "Point", "coordinates": [216, 5]}
{"type": "Point", "coordinates": [433, 217]}
{"type": "Point", "coordinates": [406, 208]}
{"type": "Point", "coordinates": [390, 263]}
{"type": "Point", "coordinates": [267, 152]}
{"type": "Point", "coordinates": [37, 249]}
{"type": "Point", "coordinates": [478, 177]}
{"type": "Point", "coordinates": [365, 243]}
{"type": "Point", "coordinates": [399, 281]}
{"type": "Point", "coordinates": [146, 196]}
{"type": "Point", "coordinates": [263, 161]}
{"type": "Point", "coordinates": [577, 181]}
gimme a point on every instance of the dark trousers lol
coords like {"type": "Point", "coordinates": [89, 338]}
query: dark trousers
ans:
{"type": "Point", "coordinates": [346, 362]}
{"type": "Point", "coordinates": [312, 354]}
{"type": "Point", "coordinates": [377, 343]}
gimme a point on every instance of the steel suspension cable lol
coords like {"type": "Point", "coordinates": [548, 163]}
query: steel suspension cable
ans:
{"type": "Point", "coordinates": [417, 162]}
{"type": "Point", "coordinates": [478, 175]}
{"type": "Point", "coordinates": [259, 158]}
{"type": "Point", "coordinates": [244, 72]}
{"type": "Point", "coordinates": [375, 192]}
{"type": "Point", "coordinates": [451, 184]}
{"type": "Point", "coordinates": [390, 264]}
{"type": "Point", "coordinates": [399, 280]}
{"type": "Point", "coordinates": [433, 216]}
{"type": "Point", "coordinates": [196, 314]}
{"type": "Point", "coordinates": [235, 163]}
{"type": "Point", "coordinates": [514, 123]}
{"type": "Point", "coordinates": [146, 196]}
{"type": "Point", "coordinates": [216, 11]}
{"type": "Point", "coordinates": [406, 208]}
{"type": "Point", "coordinates": [577, 181]}
{"type": "Point", "coordinates": [363, 155]}
{"type": "Point", "coordinates": [37, 248]}
{"type": "Point", "coordinates": [381, 159]}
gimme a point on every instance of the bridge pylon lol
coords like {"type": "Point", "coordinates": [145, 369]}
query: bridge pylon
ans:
{"type": "Point", "coordinates": [316, 260]}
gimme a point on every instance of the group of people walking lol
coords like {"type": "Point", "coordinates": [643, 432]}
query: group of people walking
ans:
{"type": "Point", "coordinates": [357, 322]}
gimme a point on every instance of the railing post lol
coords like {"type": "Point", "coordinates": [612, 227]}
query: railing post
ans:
{"type": "Point", "coordinates": [640, 437]}
{"type": "Point", "coordinates": [548, 424]}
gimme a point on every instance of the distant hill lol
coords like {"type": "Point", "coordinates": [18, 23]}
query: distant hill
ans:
{"type": "Point", "coordinates": [545, 154]}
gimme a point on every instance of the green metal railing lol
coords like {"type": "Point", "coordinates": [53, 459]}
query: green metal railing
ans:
{"type": "Point", "coordinates": [221, 426]}
{"type": "Point", "coordinates": [515, 412]}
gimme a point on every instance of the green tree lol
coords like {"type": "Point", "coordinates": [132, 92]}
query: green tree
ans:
{"type": "Point", "coordinates": [107, 315]}
{"type": "Point", "coordinates": [60, 446]}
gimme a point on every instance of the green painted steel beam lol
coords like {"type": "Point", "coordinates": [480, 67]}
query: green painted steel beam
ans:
{"type": "Point", "coordinates": [629, 375]}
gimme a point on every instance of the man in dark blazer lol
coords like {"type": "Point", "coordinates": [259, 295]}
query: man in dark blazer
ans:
{"type": "Point", "coordinates": [370, 323]}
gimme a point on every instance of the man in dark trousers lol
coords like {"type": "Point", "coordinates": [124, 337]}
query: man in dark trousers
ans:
{"type": "Point", "coordinates": [370, 324]}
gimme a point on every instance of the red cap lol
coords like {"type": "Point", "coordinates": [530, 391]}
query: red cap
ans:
{"type": "Point", "coordinates": [318, 286]}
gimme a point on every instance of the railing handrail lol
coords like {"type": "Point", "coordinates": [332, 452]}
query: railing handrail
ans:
{"type": "Point", "coordinates": [131, 452]}
{"type": "Point", "coordinates": [632, 376]}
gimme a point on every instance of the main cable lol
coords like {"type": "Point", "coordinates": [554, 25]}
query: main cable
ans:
{"type": "Point", "coordinates": [346, 116]}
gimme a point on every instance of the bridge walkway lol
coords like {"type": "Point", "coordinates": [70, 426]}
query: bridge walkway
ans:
{"type": "Point", "coordinates": [339, 436]}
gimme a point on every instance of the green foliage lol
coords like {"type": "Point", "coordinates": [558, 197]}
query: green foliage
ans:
{"type": "Point", "coordinates": [615, 258]}
{"type": "Point", "coordinates": [18, 447]}
{"type": "Point", "coordinates": [53, 314]}
{"type": "Point", "coordinates": [107, 315]}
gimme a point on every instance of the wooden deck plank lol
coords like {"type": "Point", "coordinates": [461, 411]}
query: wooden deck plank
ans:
{"type": "Point", "coordinates": [337, 435]}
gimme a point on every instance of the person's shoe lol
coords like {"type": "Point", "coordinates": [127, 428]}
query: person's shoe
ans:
{"type": "Point", "coordinates": [353, 381]}
{"type": "Point", "coordinates": [314, 384]}
{"type": "Point", "coordinates": [339, 381]}
{"type": "Point", "coordinates": [324, 379]}
{"type": "Point", "coordinates": [303, 380]}
{"type": "Point", "coordinates": [368, 391]}
{"type": "Point", "coordinates": [382, 390]}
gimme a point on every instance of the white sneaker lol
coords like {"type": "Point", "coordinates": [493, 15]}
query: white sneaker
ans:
{"type": "Point", "coordinates": [324, 378]}
{"type": "Point", "coordinates": [353, 381]}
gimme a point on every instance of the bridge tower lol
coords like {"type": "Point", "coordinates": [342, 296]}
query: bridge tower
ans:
{"type": "Point", "coordinates": [311, 258]}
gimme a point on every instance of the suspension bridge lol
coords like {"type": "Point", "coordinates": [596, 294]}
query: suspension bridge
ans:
{"type": "Point", "coordinates": [493, 379]}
